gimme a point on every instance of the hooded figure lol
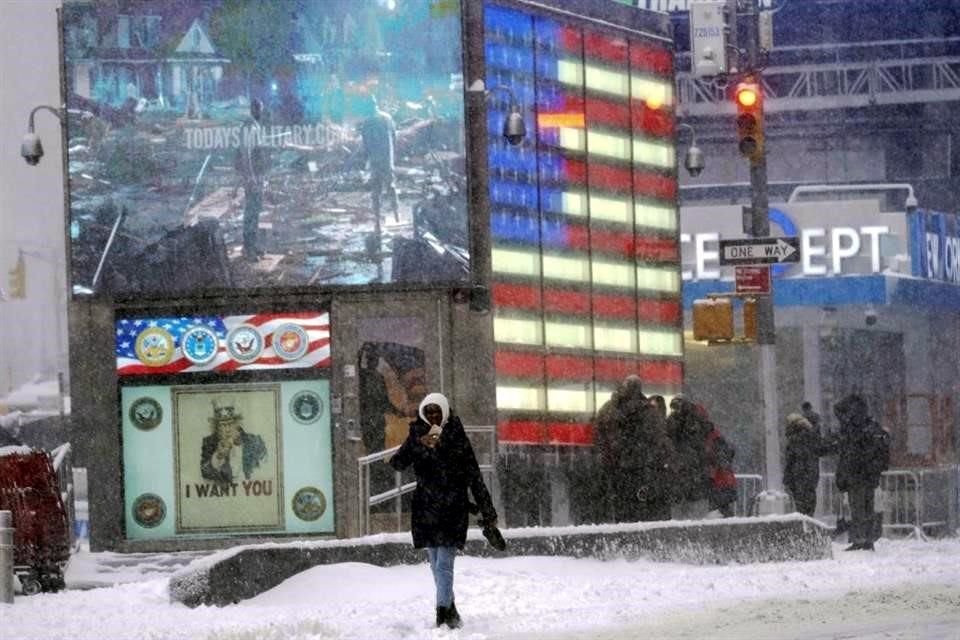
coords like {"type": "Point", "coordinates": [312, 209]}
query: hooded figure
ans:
{"type": "Point", "coordinates": [801, 471]}
{"type": "Point", "coordinates": [863, 454]}
{"type": "Point", "coordinates": [688, 427]}
{"type": "Point", "coordinates": [636, 455]}
{"type": "Point", "coordinates": [446, 467]}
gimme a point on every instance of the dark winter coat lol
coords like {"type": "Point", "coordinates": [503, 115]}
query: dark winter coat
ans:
{"type": "Point", "coordinates": [636, 455]}
{"type": "Point", "coordinates": [441, 507]}
{"type": "Point", "coordinates": [862, 446]}
{"type": "Point", "coordinates": [688, 430]}
{"type": "Point", "coordinates": [801, 470]}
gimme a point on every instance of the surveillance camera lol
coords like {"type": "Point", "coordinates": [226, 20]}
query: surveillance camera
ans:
{"type": "Point", "coordinates": [870, 316]}
{"type": "Point", "coordinates": [31, 149]}
{"type": "Point", "coordinates": [514, 129]}
{"type": "Point", "coordinates": [911, 204]}
{"type": "Point", "coordinates": [694, 161]}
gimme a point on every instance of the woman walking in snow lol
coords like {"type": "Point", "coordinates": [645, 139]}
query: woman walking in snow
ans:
{"type": "Point", "coordinates": [445, 466]}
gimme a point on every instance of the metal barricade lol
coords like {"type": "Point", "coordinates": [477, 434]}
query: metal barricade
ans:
{"type": "Point", "coordinates": [749, 485]}
{"type": "Point", "coordinates": [903, 494]}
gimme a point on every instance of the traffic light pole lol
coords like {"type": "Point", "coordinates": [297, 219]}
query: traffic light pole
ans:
{"type": "Point", "coordinates": [766, 332]}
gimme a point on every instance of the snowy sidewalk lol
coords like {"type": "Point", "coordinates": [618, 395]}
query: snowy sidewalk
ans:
{"type": "Point", "coordinates": [907, 589]}
{"type": "Point", "coordinates": [88, 570]}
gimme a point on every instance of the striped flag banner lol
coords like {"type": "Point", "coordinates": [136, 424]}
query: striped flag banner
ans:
{"type": "Point", "coordinates": [188, 344]}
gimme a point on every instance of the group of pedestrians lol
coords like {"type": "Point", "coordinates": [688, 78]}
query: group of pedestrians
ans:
{"type": "Point", "coordinates": [862, 449]}
{"type": "Point", "coordinates": [658, 466]}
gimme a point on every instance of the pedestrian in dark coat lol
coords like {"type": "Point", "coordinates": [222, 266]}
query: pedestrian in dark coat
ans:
{"type": "Point", "coordinates": [446, 467]}
{"type": "Point", "coordinates": [863, 454]}
{"type": "Point", "coordinates": [636, 456]}
{"type": "Point", "coordinates": [801, 471]}
{"type": "Point", "coordinates": [688, 430]}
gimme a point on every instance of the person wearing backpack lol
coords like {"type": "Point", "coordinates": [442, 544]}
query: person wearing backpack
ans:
{"type": "Point", "coordinates": [722, 494]}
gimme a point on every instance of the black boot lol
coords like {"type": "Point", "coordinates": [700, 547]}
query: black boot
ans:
{"type": "Point", "coordinates": [855, 547]}
{"type": "Point", "coordinates": [441, 615]}
{"type": "Point", "coordinates": [453, 616]}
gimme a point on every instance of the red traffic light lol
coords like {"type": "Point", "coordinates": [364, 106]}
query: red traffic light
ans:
{"type": "Point", "coordinates": [749, 120]}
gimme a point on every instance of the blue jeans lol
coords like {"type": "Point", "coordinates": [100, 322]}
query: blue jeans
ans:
{"type": "Point", "coordinates": [441, 565]}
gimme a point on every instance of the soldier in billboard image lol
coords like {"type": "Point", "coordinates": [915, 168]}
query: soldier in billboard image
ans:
{"type": "Point", "coordinates": [379, 135]}
{"type": "Point", "coordinates": [229, 450]}
{"type": "Point", "coordinates": [252, 162]}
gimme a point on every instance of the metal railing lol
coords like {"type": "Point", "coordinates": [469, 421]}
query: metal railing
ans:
{"type": "Point", "coordinates": [915, 501]}
{"type": "Point", "coordinates": [485, 459]}
{"type": "Point", "coordinates": [749, 485]}
{"type": "Point", "coordinates": [62, 461]}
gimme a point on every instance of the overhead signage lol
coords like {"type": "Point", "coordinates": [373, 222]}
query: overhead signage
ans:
{"type": "Point", "coordinates": [935, 246]}
{"type": "Point", "coordinates": [759, 251]}
{"type": "Point", "coordinates": [752, 279]}
{"type": "Point", "coordinates": [673, 6]}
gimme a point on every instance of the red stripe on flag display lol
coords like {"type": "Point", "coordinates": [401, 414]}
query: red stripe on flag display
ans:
{"type": "Point", "coordinates": [519, 365]}
{"type": "Point", "coordinates": [577, 433]}
{"type": "Point", "coordinates": [520, 431]}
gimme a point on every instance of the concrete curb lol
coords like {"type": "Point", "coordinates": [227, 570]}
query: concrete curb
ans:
{"type": "Point", "coordinates": [236, 574]}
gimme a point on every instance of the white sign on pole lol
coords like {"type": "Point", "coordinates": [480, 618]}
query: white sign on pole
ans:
{"type": "Point", "coordinates": [708, 38]}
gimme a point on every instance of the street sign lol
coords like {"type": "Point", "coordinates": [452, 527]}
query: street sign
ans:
{"type": "Point", "coordinates": [753, 279]}
{"type": "Point", "coordinates": [759, 251]}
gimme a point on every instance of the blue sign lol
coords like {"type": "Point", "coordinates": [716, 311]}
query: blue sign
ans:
{"type": "Point", "coordinates": [935, 246]}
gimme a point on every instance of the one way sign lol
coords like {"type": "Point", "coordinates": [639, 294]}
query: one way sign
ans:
{"type": "Point", "coordinates": [759, 251]}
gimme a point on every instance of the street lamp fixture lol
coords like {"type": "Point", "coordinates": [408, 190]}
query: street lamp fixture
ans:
{"type": "Point", "coordinates": [31, 148]}
{"type": "Point", "coordinates": [693, 160]}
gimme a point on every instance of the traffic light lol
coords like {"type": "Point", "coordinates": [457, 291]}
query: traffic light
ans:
{"type": "Point", "coordinates": [749, 101]}
{"type": "Point", "coordinates": [18, 279]}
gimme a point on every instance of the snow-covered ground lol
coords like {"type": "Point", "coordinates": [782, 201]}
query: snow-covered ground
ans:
{"type": "Point", "coordinates": [907, 589]}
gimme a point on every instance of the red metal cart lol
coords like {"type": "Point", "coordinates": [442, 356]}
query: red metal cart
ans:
{"type": "Point", "coordinates": [41, 539]}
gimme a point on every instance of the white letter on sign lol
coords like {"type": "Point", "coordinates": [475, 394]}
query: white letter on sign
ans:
{"type": "Point", "coordinates": [838, 252]}
{"type": "Point", "coordinates": [808, 251]}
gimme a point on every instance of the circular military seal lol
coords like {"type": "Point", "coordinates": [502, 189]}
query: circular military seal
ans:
{"type": "Point", "coordinates": [149, 510]}
{"type": "Point", "coordinates": [244, 343]}
{"type": "Point", "coordinates": [309, 503]}
{"type": "Point", "coordinates": [290, 342]}
{"type": "Point", "coordinates": [306, 407]}
{"type": "Point", "coordinates": [154, 347]}
{"type": "Point", "coordinates": [199, 344]}
{"type": "Point", "coordinates": [145, 413]}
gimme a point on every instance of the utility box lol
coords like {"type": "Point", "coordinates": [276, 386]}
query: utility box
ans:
{"type": "Point", "coordinates": [709, 32]}
{"type": "Point", "coordinates": [713, 319]}
{"type": "Point", "coordinates": [750, 319]}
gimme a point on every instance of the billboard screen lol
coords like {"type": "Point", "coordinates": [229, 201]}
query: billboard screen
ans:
{"type": "Point", "coordinates": [239, 144]}
{"type": "Point", "coordinates": [227, 459]}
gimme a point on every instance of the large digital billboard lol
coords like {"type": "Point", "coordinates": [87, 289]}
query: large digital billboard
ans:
{"type": "Point", "coordinates": [238, 144]}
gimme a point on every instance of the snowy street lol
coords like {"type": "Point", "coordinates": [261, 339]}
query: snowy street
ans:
{"type": "Point", "coordinates": [907, 589]}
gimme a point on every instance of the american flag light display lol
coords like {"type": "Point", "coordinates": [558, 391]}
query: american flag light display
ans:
{"type": "Point", "coordinates": [583, 221]}
{"type": "Point", "coordinates": [147, 346]}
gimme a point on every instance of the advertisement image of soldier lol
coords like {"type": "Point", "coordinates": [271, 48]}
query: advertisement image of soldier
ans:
{"type": "Point", "coordinates": [229, 449]}
{"type": "Point", "coordinates": [379, 135]}
{"type": "Point", "coordinates": [252, 164]}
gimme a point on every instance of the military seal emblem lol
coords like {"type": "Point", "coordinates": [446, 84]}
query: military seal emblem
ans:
{"type": "Point", "coordinates": [145, 413]}
{"type": "Point", "coordinates": [244, 343]}
{"type": "Point", "coordinates": [290, 342]}
{"type": "Point", "coordinates": [309, 503]}
{"type": "Point", "coordinates": [154, 347]}
{"type": "Point", "coordinates": [149, 510]}
{"type": "Point", "coordinates": [199, 344]}
{"type": "Point", "coordinates": [306, 407]}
